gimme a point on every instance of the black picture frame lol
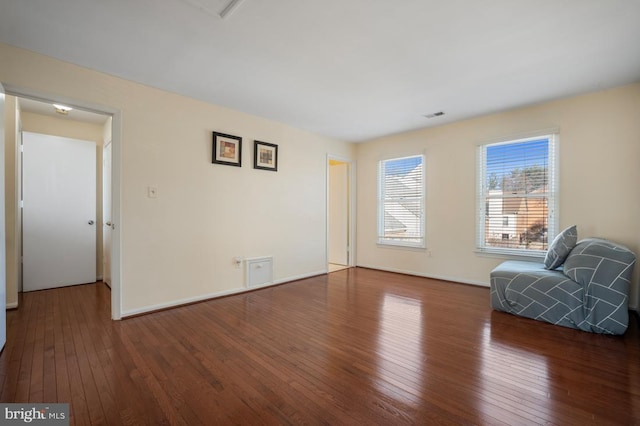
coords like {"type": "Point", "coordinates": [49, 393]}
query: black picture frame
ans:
{"type": "Point", "coordinates": [227, 149]}
{"type": "Point", "coordinates": [265, 156]}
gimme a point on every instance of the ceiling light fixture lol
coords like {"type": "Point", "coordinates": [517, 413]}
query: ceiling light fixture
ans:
{"type": "Point", "coordinates": [434, 115]}
{"type": "Point", "coordinates": [62, 109]}
{"type": "Point", "coordinates": [231, 7]}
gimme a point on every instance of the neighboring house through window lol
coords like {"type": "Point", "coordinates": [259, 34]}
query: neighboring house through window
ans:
{"type": "Point", "coordinates": [401, 205]}
{"type": "Point", "coordinates": [517, 195]}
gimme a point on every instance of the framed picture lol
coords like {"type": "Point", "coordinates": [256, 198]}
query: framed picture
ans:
{"type": "Point", "coordinates": [227, 149]}
{"type": "Point", "coordinates": [265, 156]}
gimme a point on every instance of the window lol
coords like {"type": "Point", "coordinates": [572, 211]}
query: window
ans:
{"type": "Point", "coordinates": [401, 201]}
{"type": "Point", "coordinates": [517, 195]}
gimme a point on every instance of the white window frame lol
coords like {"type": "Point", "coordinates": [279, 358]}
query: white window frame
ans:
{"type": "Point", "coordinates": [385, 241]}
{"type": "Point", "coordinates": [552, 197]}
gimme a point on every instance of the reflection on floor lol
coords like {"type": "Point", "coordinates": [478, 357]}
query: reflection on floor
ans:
{"type": "Point", "coordinates": [333, 267]}
{"type": "Point", "coordinates": [356, 347]}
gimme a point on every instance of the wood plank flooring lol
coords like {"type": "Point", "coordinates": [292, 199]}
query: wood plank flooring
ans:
{"type": "Point", "coordinates": [353, 347]}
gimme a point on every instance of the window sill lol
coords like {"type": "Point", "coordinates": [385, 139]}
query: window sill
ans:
{"type": "Point", "coordinates": [394, 245]}
{"type": "Point", "coordinates": [512, 254]}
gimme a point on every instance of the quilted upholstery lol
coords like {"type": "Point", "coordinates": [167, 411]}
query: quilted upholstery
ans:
{"type": "Point", "coordinates": [590, 292]}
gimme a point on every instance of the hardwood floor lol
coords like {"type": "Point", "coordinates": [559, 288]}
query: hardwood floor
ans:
{"type": "Point", "coordinates": [352, 347]}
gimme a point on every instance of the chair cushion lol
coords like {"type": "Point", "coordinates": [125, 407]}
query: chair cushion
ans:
{"type": "Point", "coordinates": [561, 247]}
{"type": "Point", "coordinates": [529, 290]}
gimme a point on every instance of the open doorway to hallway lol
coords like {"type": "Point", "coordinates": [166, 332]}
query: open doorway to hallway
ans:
{"type": "Point", "coordinates": [39, 122]}
{"type": "Point", "coordinates": [339, 214]}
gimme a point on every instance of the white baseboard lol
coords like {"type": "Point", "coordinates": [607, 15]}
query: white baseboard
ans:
{"type": "Point", "coordinates": [203, 297]}
{"type": "Point", "coordinates": [12, 305]}
{"type": "Point", "coordinates": [422, 274]}
{"type": "Point", "coordinates": [299, 277]}
{"type": "Point", "coordinates": [445, 278]}
{"type": "Point", "coordinates": [179, 302]}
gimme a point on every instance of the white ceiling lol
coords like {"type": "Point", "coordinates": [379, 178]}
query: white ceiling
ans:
{"type": "Point", "coordinates": [350, 69]}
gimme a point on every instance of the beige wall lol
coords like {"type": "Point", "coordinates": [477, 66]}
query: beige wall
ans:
{"type": "Point", "coordinates": [599, 177]}
{"type": "Point", "coordinates": [180, 246]}
{"type": "Point", "coordinates": [38, 123]}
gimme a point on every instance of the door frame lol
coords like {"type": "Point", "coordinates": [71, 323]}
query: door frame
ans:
{"type": "Point", "coordinates": [351, 175]}
{"type": "Point", "coordinates": [106, 274]}
{"type": "Point", "coordinates": [116, 177]}
{"type": "Point", "coordinates": [3, 253]}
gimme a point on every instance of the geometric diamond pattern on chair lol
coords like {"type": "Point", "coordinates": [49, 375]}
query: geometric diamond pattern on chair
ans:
{"type": "Point", "coordinates": [604, 269]}
{"type": "Point", "coordinates": [589, 293]}
{"type": "Point", "coordinates": [529, 290]}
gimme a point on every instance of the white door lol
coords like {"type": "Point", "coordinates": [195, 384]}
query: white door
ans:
{"type": "Point", "coordinates": [106, 214]}
{"type": "Point", "coordinates": [3, 280]}
{"type": "Point", "coordinates": [59, 211]}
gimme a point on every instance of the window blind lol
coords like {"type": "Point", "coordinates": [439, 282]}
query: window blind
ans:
{"type": "Point", "coordinates": [401, 201]}
{"type": "Point", "coordinates": [517, 194]}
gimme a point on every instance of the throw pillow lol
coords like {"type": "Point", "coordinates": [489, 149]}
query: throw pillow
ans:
{"type": "Point", "coordinates": [560, 247]}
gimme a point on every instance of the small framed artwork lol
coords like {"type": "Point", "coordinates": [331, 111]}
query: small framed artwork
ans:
{"type": "Point", "coordinates": [227, 149]}
{"type": "Point", "coordinates": [265, 156]}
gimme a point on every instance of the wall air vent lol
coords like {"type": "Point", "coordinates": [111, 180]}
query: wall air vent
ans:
{"type": "Point", "coordinates": [259, 271]}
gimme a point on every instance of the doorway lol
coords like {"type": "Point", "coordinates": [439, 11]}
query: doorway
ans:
{"type": "Point", "coordinates": [340, 235]}
{"type": "Point", "coordinates": [112, 128]}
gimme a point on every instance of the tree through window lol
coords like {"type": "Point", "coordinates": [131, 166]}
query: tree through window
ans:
{"type": "Point", "coordinates": [517, 194]}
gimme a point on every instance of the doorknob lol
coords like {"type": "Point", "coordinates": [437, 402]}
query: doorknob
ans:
{"type": "Point", "coordinates": [91, 222]}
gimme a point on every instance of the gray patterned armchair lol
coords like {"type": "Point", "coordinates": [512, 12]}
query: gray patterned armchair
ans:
{"type": "Point", "coordinates": [590, 292]}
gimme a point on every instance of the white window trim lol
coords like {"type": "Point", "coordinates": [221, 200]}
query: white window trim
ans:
{"type": "Point", "coordinates": [380, 240]}
{"type": "Point", "coordinates": [552, 202]}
